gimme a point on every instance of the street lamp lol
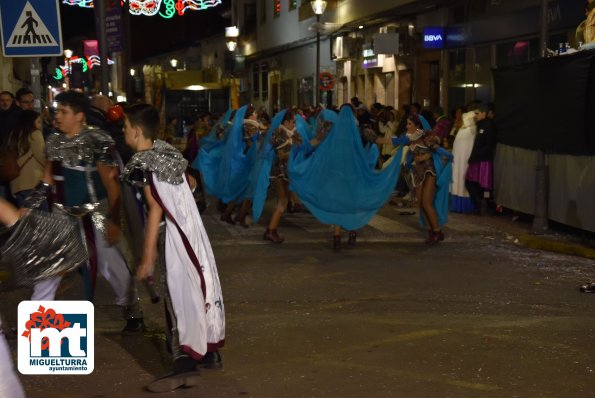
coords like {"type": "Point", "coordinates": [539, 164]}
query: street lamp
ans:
{"type": "Point", "coordinates": [68, 56]}
{"type": "Point", "coordinates": [318, 6]}
{"type": "Point", "coordinates": [174, 63]}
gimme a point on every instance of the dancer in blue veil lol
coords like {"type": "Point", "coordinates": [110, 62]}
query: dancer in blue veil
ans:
{"type": "Point", "coordinates": [211, 149]}
{"type": "Point", "coordinates": [216, 133]}
{"type": "Point", "coordinates": [260, 174]}
{"type": "Point", "coordinates": [338, 182]}
{"type": "Point", "coordinates": [283, 141]}
{"type": "Point", "coordinates": [431, 173]}
{"type": "Point", "coordinates": [238, 157]}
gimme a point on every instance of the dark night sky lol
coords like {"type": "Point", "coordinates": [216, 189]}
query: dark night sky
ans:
{"type": "Point", "coordinates": [150, 35]}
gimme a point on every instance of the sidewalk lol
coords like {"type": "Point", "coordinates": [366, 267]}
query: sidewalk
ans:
{"type": "Point", "coordinates": [557, 239]}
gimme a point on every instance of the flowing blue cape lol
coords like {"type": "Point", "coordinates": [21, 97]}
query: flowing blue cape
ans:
{"type": "Point", "coordinates": [210, 152]}
{"type": "Point", "coordinates": [231, 180]}
{"type": "Point", "coordinates": [338, 182]}
{"type": "Point", "coordinates": [443, 164]}
{"type": "Point", "coordinates": [260, 174]}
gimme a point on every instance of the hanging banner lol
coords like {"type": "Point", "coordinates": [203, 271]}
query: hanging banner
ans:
{"type": "Point", "coordinates": [114, 26]}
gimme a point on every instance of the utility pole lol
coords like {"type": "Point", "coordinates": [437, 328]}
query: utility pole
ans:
{"type": "Point", "coordinates": [540, 220]}
{"type": "Point", "coordinates": [103, 49]}
{"type": "Point", "coordinates": [317, 76]}
{"type": "Point", "coordinates": [126, 55]}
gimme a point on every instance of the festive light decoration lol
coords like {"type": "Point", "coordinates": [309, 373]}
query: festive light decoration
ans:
{"type": "Point", "coordinates": [152, 7]}
{"type": "Point", "coordinates": [91, 61]}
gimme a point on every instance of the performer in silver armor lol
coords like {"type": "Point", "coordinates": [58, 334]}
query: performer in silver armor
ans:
{"type": "Point", "coordinates": [83, 174]}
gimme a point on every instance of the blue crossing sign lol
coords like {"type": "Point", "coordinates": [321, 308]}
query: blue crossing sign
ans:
{"type": "Point", "coordinates": [30, 28]}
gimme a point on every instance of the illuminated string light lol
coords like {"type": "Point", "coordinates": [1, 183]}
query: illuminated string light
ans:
{"type": "Point", "coordinates": [165, 8]}
{"type": "Point", "coordinates": [91, 61]}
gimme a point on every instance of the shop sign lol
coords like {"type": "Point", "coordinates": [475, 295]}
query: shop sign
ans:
{"type": "Point", "coordinates": [370, 59]}
{"type": "Point", "coordinates": [434, 37]}
{"type": "Point", "coordinates": [327, 81]}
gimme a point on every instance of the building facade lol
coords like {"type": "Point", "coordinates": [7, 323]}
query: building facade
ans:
{"type": "Point", "coordinates": [392, 52]}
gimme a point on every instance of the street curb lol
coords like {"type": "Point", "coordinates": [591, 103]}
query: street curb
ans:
{"type": "Point", "coordinates": [542, 243]}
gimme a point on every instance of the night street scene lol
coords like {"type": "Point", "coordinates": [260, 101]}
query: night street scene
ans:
{"type": "Point", "coordinates": [297, 198]}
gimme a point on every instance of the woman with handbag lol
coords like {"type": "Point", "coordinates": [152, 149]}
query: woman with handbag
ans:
{"type": "Point", "coordinates": [27, 141]}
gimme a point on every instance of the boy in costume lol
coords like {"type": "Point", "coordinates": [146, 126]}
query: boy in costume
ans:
{"type": "Point", "coordinates": [194, 303]}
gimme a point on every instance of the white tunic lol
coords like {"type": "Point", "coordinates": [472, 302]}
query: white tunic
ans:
{"type": "Point", "coordinates": [197, 302]}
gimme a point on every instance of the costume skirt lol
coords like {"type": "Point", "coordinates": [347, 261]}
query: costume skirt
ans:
{"type": "Point", "coordinates": [481, 173]}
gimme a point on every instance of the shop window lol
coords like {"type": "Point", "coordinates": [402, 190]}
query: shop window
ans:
{"type": "Point", "coordinates": [255, 81]}
{"type": "Point", "coordinates": [287, 94]}
{"type": "Point", "coordinates": [457, 73]}
{"type": "Point", "coordinates": [305, 91]}
{"type": "Point", "coordinates": [483, 73]}
{"type": "Point", "coordinates": [276, 8]}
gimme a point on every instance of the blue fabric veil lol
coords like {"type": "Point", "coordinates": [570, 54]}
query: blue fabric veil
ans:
{"type": "Point", "coordinates": [210, 152]}
{"type": "Point", "coordinates": [337, 183]}
{"type": "Point", "coordinates": [304, 129]}
{"type": "Point", "coordinates": [260, 175]}
{"type": "Point", "coordinates": [212, 136]}
{"type": "Point", "coordinates": [234, 168]}
{"type": "Point", "coordinates": [443, 180]}
{"type": "Point", "coordinates": [424, 123]}
{"type": "Point", "coordinates": [443, 164]}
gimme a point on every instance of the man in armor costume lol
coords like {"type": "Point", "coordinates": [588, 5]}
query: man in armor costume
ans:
{"type": "Point", "coordinates": [193, 298]}
{"type": "Point", "coordinates": [37, 246]}
{"type": "Point", "coordinates": [82, 174]}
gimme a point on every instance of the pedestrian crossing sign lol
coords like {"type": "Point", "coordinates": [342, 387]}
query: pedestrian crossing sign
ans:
{"type": "Point", "coordinates": [30, 28]}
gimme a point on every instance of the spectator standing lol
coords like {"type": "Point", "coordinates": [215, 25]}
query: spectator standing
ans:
{"type": "Point", "coordinates": [25, 99]}
{"type": "Point", "coordinates": [443, 124]}
{"type": "Point", "coordinates": [26, 140]}
{"type": "Point", "coordinates": [460, 200]}
{"type": "Point", "coordinates": [9, 113]}
{"type": "Point", "coordinates": [105, 115]}
{"type": "Point", "coordinates": [479, 178]}
{"type": "Point", "coordinates": [387, 126]}
{"type": "Point", "coordinates": [457, 123]}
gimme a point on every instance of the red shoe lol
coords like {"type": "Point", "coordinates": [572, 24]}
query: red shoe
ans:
{"type": "Point", "coordinates": [273, 236]}
{"type": "Point", "coordinates": [429, 238]}
{"type": "Point", "coordinates": [435, 237]}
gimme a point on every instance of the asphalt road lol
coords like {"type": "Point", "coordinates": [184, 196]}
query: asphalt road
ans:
{"type": "Point", "coordinates": [475, 316]}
